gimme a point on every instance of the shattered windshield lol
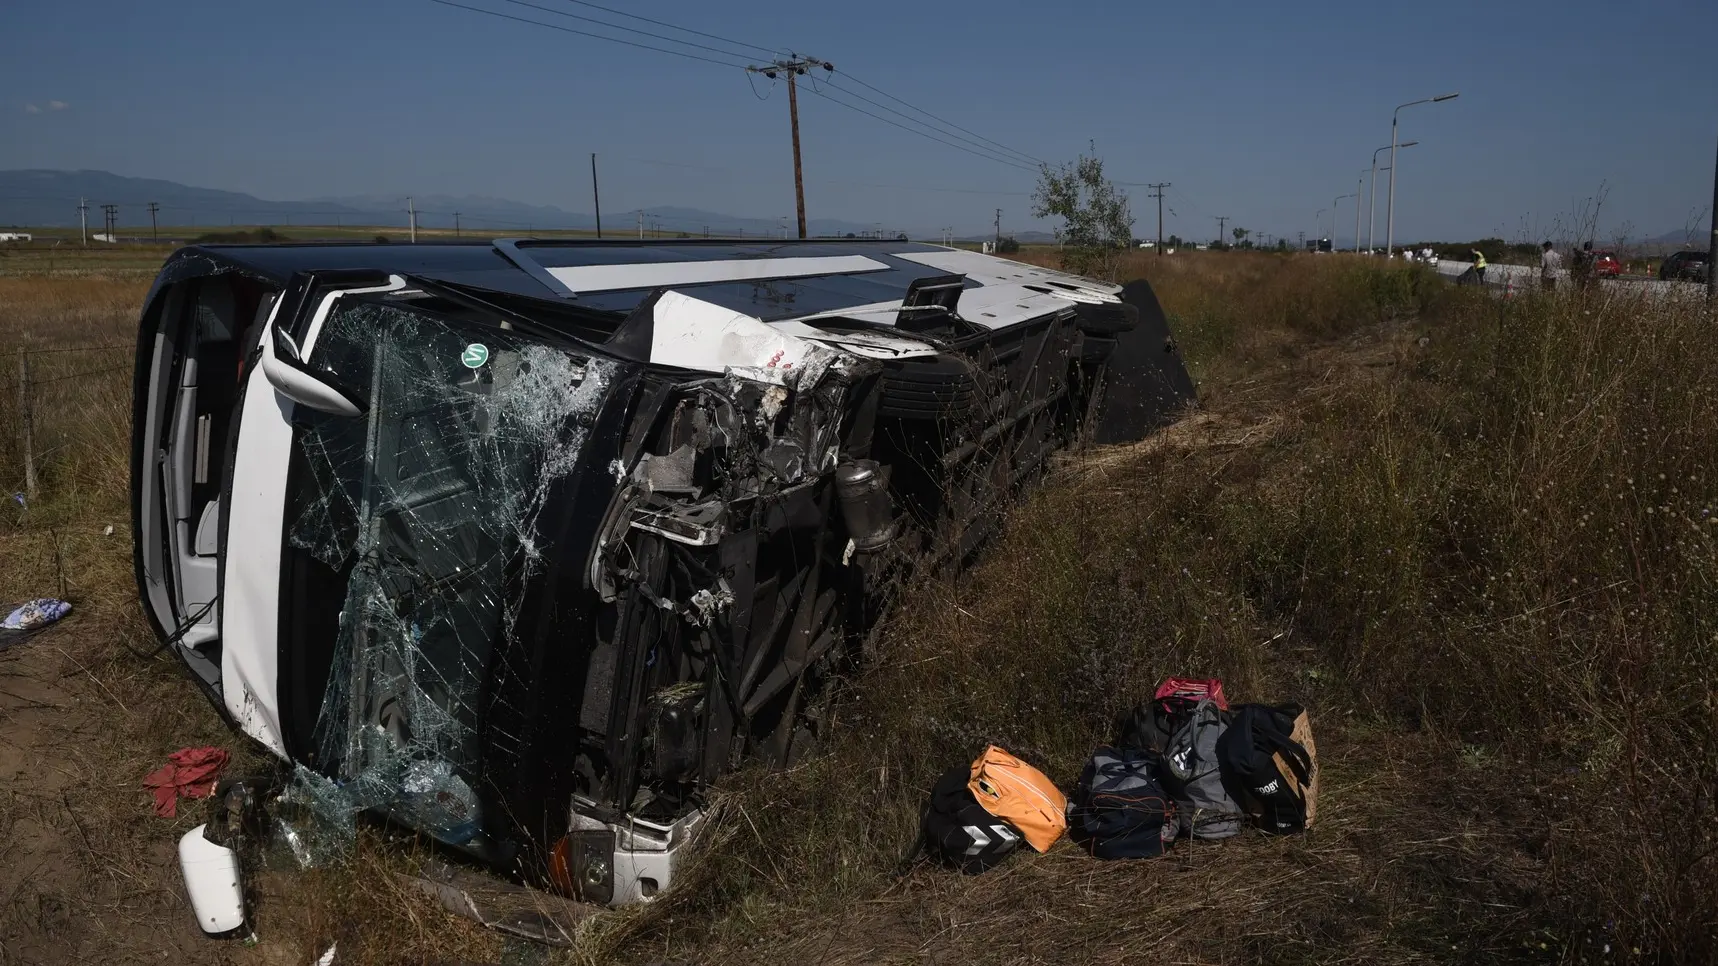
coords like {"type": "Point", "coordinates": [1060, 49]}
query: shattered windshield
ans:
{"type": "Point", "coordinates": [426, 506]}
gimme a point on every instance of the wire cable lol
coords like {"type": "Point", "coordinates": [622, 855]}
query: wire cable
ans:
{"type": "Point", "coordinates": [662, 23]}
{"type": "Point", "coordinates": [1000, 154]}
{"type": "Point", "coordinates": [80, 375]}
{"type": "Point", "coordinates": [78, 348]}
{"type": "Point", "coordinates": [585, 33]}
{"type": "Point", "coordinates": [928, 114]}
{"type": "Point", "coordinates": [631, 30]}
{"type": "Point", "coordinates": [175, 637]}
{"type": "Point", "coordinates": [977, 144]}
{"type": "Point", "coordinates": [988, 157]}
{"type": "Point", "coordinates": [859, 184]}
{"type": "Point", "coordinates": [754, 86]}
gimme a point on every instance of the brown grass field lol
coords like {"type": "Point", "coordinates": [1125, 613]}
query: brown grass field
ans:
{"type": "Point", "coordinates": [1474, 537]}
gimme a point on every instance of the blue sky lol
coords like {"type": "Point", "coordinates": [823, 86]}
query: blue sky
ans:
{"type": "Point", "coordinates": [1263, 111]}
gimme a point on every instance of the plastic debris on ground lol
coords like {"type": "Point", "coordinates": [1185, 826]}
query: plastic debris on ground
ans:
{"type": "Point", "coordinates": [29, 617]}
{"type": "Point", "coordinates": [189, 773]}
{"type": "Point", "coordinates": [34, 614]}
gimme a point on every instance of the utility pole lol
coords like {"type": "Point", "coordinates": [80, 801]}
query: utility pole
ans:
{"type": "Point", "coordinates": [83, 220]}
{"type": "Point", "coordinates": [110, 222]}
{"type": "Point", "coordinates": [1222, 221]}
{"type": "Point", "coordinates": [412, 216]}
{"type": "Point", "coordinates": [794, 66]}
{"type": "Point", "coordinates": [456, 224]}
{"type": "Point", "coordinates": [996, 246]}
{"type": "Point", "coordinates": [640, 213]}
{"type": "Point", "coordinates": [1158, 194]}
{"type": "Point", "coordinates": [596, 197]}
{"type": "Point", "coordinates": [154, 233]}
{"type": "Point", "coordinates": [1302, 236]}
{"type": "Point", "coordinates": [798, 173]}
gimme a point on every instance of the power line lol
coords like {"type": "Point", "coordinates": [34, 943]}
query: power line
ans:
{"type": "Point", "coordinates": [861, 184]}
{"type": "Point", "coordinates": [975, 143]}
{"type": "Point", "coordinates": [1188, 201]}
{"type": "Point", "coordinates": [986, 154]}
{"type": "Point", "coordinates": [876, 90]}
{"type": "Point", "coordinates": [631, 30]}
{"type": "Point", "coordinates": [660, 23]}
{"type": "Point", "coordinates": [586, 33]}
{"type": "Point", "coordinates": [998, 144]}
{"type": "Point", "coordinates": [923, 134]}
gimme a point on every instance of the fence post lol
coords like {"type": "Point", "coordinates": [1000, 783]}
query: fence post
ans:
{"type": "Point", "coordinates": [26, 427]}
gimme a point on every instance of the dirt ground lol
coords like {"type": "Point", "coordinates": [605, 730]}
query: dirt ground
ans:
{"type": "Point", "coordinates": [87, 872]}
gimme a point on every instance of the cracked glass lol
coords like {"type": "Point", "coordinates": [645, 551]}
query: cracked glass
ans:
{"type": "Point", "coordinates": [427, 504]}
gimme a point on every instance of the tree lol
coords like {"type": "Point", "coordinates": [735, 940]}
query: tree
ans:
{"type": "Point", "coordinates": [1097, 225]}
{"type": "Point", "coordinates": [1174, 241]}
{"type": "Point", "coordinates": [1007, 246]}
{"type": "Point", "coordinates": [1240, 234]}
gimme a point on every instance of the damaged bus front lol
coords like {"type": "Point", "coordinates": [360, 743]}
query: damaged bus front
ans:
{"type": "Point", "coordinates": [525, 566]}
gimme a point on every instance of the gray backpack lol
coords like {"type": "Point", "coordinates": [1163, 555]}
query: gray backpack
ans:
{"type": "Point", "coordinates": [1191, 776]}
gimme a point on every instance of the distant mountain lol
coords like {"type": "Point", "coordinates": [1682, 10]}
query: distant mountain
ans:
{"type": "Point", "coordinates": [49, 199]}
{"type": "Point", "coordinates": [475, 211]}
{"type": "Point", "coordinates": [1681, 238]}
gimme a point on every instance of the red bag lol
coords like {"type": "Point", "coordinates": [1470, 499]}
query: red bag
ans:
{"type": "Point", "coordinates": [1181, 694]}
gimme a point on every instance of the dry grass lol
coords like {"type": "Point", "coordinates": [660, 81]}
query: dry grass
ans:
{"type": "Point", "coordinates": [87, 874]}
{"type": "Point", "coordinates": [1483, 561]}
{"type": "Point", "coordinates": [66, 259]}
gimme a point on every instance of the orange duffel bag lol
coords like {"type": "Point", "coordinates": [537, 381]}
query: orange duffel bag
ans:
{"type": "Point", "coordinates": [1020, 795]}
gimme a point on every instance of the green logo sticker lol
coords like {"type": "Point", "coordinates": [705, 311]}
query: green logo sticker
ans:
{"type": "Point", "coordinates": [475, 355]}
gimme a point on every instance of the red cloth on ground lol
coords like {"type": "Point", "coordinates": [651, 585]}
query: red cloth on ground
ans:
{"type": "Point", "coordinates": [189, 772]}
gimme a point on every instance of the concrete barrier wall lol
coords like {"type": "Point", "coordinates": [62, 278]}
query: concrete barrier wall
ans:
{"type": "Point", "coordinates": [1519, 279]}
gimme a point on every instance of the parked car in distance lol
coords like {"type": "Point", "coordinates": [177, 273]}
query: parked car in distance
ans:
{"type": "Point", "coordinates": [1606, 265]}
{"type": "Point", "coordinates": [1686, 265]}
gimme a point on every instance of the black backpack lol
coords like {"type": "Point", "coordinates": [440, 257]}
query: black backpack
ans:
{"type": "Point", "coordinates": [1151, 725]}
{"type": "Point", "coordinates": [958, 831]}
{"type": "Point", "coordinates": [1120, 808]}
{"type": "Point", "coordinates": [1147, 728]}
{"type": "Point", "coordinates": [1272, 775]}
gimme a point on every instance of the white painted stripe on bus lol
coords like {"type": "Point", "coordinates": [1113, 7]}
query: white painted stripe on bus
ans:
{"type": "Point", "coordinates": [611, 278]}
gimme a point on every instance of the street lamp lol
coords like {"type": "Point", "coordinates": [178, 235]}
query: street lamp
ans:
{"type": "Point", "coordinates": [1359, 183]}
{"type": "Point", "coordinates": [1355, 196]}
{"type": "Point", "coordinates": [1372, 192]}
{"type": "Point", "coordinates": [1390, 204]}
